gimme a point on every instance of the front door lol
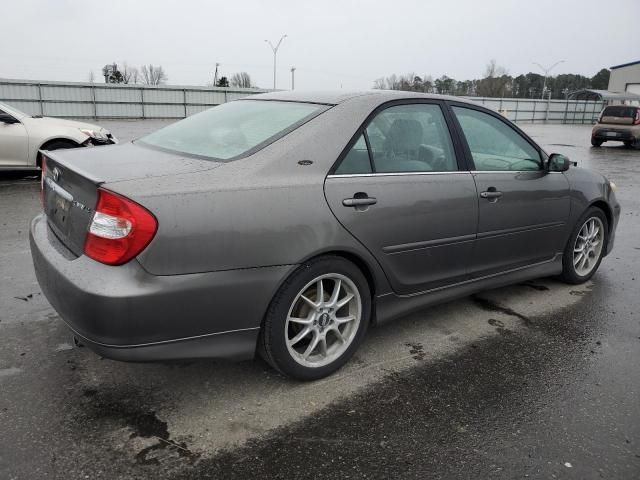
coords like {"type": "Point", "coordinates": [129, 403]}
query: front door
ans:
{"type": "Point", "coordinates": [523, 209]}
{"type": "Point", "coordinates": [13, 144]}
{"type": "Point", "coordinates": [399, 190]}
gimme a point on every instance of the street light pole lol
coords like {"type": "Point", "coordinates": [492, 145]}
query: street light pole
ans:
{"type": "Point", "coordinates": [546, 72]}
{"type": "Point", "coordinates": [275, 52]}
{"type": "Point", "coordinates": [293, 84]}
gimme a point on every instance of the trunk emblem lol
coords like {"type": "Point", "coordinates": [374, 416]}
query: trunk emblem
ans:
{"type": "Point", "coordinates": [56, 174]}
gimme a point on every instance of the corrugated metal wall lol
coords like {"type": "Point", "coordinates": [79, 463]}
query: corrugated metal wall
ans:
{"type": "Point", "coordinates": [95, 100]}
{"type": "Point", "coordinates": [544, 111]}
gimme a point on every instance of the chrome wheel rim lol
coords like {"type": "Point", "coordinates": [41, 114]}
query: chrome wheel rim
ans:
{"type": "Point", "coordinates": [323, 320]}
{"type": "Point", "coordinates": [588, 246]}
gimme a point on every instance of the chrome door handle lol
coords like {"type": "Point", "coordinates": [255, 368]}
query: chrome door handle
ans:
{"type": "Point", "coordinates": [359, 202]}
{"type": "Point", "coordinates": [491, 195]}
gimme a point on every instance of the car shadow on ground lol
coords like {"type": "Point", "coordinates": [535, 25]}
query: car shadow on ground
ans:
{"type": "Point", "coordinates": [174, 412]}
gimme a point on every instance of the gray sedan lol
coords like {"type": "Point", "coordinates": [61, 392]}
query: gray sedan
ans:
{"type": "Point", "coordinates": [288, 223]}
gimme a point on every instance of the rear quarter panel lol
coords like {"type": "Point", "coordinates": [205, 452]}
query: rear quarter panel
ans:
{"type": "Point", "coordinates": [263, 210]}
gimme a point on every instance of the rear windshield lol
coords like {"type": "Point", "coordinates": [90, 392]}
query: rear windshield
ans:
{"type": "Point", "coordinates": [619, 111]}
{"type": "Point", "coordinates": [233, 129]}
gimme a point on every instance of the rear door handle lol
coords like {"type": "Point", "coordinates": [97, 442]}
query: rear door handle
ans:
{"type": "Point", "coordinates": [359, 202]}
{"type": "Point", "coordinates": [491, 194]}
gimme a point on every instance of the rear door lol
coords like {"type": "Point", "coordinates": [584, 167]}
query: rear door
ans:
{"type": "Point", "coordinates": [398, 188]}
{"type": "Point", "coordinates": [13, 144]}
{"type": "Point", "coordinates": [523, 209]}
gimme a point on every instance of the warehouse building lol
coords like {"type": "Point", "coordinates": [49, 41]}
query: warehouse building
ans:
{"type": "Point", "coordinates": [625, 78]}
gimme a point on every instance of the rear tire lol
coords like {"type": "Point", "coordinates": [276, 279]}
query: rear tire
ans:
{"type": "Point", "coordinates": [311, 329]}
{"type": "Point", "coordinates": [596, 143]}
{"type": "Point", "coordinates": [630, 143]}
{"type": "Point", "coordinates": [586, 247]}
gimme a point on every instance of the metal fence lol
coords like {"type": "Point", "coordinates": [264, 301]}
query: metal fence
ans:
{"type": "Point", "coordinates": [100, 101]}
{"type": "Point", "coordinates": [544, 111]}
{"type": "Point", "coordinates": [95, 100]}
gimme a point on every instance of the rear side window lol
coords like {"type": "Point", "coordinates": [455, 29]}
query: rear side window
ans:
{"type": "Point", "coordinates": [411, 138]}
{"type": "Point", "coordinates": [233, 129]}
{"type": "Point", "coordinates": [356, 160]}
{"type": "Point", "coordinates": [619, 111]}
{"type": "Point", "coordinates": [402, 139]}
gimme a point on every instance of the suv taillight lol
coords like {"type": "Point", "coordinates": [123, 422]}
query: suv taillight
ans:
{"type": "Point", "coordinates": [120, 229]}
{"type": "Point", "coordinates": [636, 121]}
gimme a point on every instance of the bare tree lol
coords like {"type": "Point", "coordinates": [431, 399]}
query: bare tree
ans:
{"type": "Point", "coordinates": [152, 75]}
{"type": "Point", "coordinates": [241, 80]}
{"type": "Point", "coordinates": [494, 70]}
{"type": "Point", "coordinates": [129, 73]}
{"type": "Point", "coordinates": [496, 82]}
{"type": "Point", "coordinates": [379, 83]}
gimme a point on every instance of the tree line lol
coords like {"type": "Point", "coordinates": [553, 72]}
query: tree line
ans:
{"type": "Point", "coordinates": [496, 82]}
{"type": "Point", "coordinates": [156, 75]}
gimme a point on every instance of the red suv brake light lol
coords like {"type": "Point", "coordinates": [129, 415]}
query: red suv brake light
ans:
{"type": "Point", "coordinates": [120, 229]}
{"type": "Point", "coordinates": [636, 120]}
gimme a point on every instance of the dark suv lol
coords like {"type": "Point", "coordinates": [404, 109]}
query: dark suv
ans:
{"type": "Point", "coordinates": [620, 123]}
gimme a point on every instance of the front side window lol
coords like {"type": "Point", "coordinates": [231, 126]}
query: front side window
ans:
{"type": "Point", "coordinates": [411, 138]}
{"type": "Point", "coordinates": [233, 129]}
{"type": "Point", "coordinates": [494, 145]}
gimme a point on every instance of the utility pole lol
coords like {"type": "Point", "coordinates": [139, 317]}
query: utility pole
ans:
{"type": "Point", "coordinates": [275, 52]}
{"type": "Point", "coordinates": [293, 80]}
{"type": "Point", "coordinates": [546, 72]}
{"type": "Point", "coordinates": [215, 75]}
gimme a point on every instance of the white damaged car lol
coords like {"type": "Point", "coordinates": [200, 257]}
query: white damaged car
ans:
{"type": "Point", "coordinates": [22, 136]}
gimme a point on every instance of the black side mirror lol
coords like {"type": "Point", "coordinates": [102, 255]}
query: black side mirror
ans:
{"type": "Point", "coordinates": [558, 163]}
{"type": "Point", "coordinates": [6, 118]}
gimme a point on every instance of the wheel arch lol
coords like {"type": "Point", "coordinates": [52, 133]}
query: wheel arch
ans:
{"type": "Point", "coordinates": [353, 257]}
{"type": "Point", "coordinates": [50, 141]}
{"type": "Point", "coordinates": [606, 209]}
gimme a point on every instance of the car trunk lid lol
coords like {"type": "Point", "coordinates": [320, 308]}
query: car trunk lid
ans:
{"type": "Point", "coordinates": [72, 177]}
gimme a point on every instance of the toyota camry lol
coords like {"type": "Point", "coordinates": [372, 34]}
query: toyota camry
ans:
{"type": "Point", "coordinates": [287, 224]}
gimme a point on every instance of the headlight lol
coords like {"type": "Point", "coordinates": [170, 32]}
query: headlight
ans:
{"type": "Point", "coordinates": [93, 133]}
{"type": "Point", "coordinates": [613, 186]}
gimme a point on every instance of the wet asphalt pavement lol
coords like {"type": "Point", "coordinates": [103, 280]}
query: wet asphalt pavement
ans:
{"type": "Point", "coordinates": [538, 380]}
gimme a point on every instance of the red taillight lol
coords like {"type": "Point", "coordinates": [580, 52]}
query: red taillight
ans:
{"type": "Point", "coordinates": [636, 121]}
{"type": "Point", "coordinates": [43, 167]}
{"type": "Point", "coordinates": [120, 229]}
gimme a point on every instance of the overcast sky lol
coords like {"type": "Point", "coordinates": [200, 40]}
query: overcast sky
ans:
{"type": "Point", "coordinates": [333, 44]}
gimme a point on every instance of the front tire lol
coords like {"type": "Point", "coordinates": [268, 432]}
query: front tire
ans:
{"type": "Point", "coordinates": [317, 319]}
{"type": "Point", "coordinates": [586, 247]}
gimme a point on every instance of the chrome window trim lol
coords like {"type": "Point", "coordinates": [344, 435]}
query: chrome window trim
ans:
{"type": "Point", "coordinates": [396, 174]}
{"type": "Point", "coordinates": [509, 171]}
{"type": "Point", "coordinates": [456, 172]}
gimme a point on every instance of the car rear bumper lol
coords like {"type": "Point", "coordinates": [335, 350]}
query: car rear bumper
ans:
{"type": "Point", "coordinates": [619, 135]}
{"type": "Point", "coordinates": [126, 313]}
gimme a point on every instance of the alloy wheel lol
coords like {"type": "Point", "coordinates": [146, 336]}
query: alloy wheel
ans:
{"type": "Point", "coordinates": [323, 320]}
{"type": "Point", "coordinates": [588, 246]}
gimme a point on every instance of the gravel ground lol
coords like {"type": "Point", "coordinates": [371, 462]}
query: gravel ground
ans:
{"type": "Point", "coordinates": [537, 380]}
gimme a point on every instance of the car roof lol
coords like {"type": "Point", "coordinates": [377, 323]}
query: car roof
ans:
{"type": "Point", "coordinates": [335, 97]}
